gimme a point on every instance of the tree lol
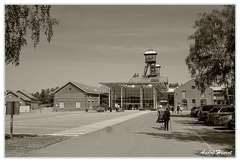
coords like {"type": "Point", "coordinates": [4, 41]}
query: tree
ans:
{"type": "Point", "coordinates": [211, 56]}
{"type": "Point", "coordinates": [173, 85]}
{"type": "Point", "coordinates": [19, 18]}
{"type": "Point", "coordinates": [43, 96]}
{"type": "Point", "coordinates": [46, 96]}
{"type": "Point", "coordinates": [36, 95]}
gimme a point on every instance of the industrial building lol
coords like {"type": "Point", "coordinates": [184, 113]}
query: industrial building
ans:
{"type": "Point", "coordinates": [140, 92]}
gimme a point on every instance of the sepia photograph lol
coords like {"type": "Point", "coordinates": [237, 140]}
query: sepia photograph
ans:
{"type": "Point", "coordinates": [119, 80]}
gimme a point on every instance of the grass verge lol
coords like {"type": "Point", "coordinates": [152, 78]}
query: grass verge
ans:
{"type": "Point", "coordinates": [23, 143]}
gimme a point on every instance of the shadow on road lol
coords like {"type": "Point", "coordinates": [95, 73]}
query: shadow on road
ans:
{"type": "Point", "coordinates": [180, 115]}
{"type": "Point", "coordinates": [158, 128]}
{"type": "Point", "coordinates": [224, 138]}
{"type": "Point", "coordinates": [193, 123]}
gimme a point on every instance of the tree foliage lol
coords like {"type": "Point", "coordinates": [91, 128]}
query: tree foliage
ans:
{"type": "Point", "coordinates": [211, 56]}
{"type": "Point", "coordinates": [173, 85]}
{"type": "Point", "coordinates": [46, 96]}
{"type": "Point", "coordinates": [20, 18]}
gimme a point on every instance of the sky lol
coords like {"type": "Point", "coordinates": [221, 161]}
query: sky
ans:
{"type": "Point", "coordinates": [106, 43]}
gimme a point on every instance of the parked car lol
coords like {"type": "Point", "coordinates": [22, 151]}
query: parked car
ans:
{"type": "Point", "coordinates": [100, 109]}
{"type": "Point", "coordinates": [194, 111]}
{"type": "Point", "coordinates": [224, 120]}
{"type": "Point", "coordinates": [203, 111]}
{"type": "Point", "coordinates": [232, 122]}
{"type": "Point", "coordinates": [219, 111]}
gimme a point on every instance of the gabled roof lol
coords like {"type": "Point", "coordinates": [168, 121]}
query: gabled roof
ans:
{"type": "Point", "coordinates": [214, 88]}
{"type": "Point", "coordinates": [19, 95]}
{"type": "Point", "coordinates": [89, 89]}
{"type": "Point", "coordinates": [185, 83]}
{"type": "Point", "coordinates": [25, 93]}
{"type": "Point", "coordinates": [86, 88]}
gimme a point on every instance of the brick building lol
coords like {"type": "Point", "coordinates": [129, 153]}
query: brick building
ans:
{"type": "Point", "coordinates": [188, 95]}
{"type": "Point", "coordinates": [34, 101]}
{"type": "Point", "coordinates": [27, 102]}
{"type": "Point", "coordinates": [14, 96]}
{"type": "Point", "coordinates": [77, 96]}
{"type": "Point", "coordinates": [218, 97]}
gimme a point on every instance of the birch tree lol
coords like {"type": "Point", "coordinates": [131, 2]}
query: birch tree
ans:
{"type": "Point", "coordinates": [19, 19]}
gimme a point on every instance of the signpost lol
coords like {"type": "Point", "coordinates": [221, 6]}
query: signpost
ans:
{"type": "Point", "coordinates": [12, 108]}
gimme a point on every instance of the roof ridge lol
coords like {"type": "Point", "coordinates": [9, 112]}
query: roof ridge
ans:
{"type": "Point", "coordinates": [84, 87]}
{"type": "Point", "coordinates": [29, 95]}
{"type": "Point", "coordinates": [19, 95]}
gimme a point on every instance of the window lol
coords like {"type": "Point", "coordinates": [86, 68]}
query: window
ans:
{"type": "Point", "coordinates": [184, 103]}
{"type": "Point", "coordinates": [215, 109]}
{"type": "Point", "coordinates": [203, 102]}
{"type": "Point", "coordinates": [193, 103]}
{"type": "Point", "coordinates": [207, 108]}
{"type": "Point", "coordinates": [78, 104]}
{"type": "Point", "coordinates": [183, 94]}
{"type": "Point", "coordinates": [228, 109]}
{"type": "Point", "coordinates": [61, 104]}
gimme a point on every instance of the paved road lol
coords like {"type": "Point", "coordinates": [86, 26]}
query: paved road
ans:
{"type": "Point", "coordinates": [141, 137]}
{"type": "Point", "coordinates": [56, 122]}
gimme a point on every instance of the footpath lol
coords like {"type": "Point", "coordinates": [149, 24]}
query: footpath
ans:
{"type": "Point", "coordinates": [97, 126]}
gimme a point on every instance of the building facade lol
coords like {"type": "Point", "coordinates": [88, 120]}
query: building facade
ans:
{"type": "Point", "coordinates": [25, 102]}
{"type": "Point", "coordinates": [34, 101]}
{"type": "Point", "coordinates": [189, 96]}
{"type": "Point", "coordinates": [218, 97]}
{"type": "Point", "coordinates": [14, 96]}
{"type": "Point", "coordinates": [140, 92]}
{"type": "Point", "coordinates": [77, 96]}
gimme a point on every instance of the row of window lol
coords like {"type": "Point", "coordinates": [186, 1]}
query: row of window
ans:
{"type": "Point", "coordinates": [184, 95]}
{"type": "Point", "coordinates": [185, 103]}
{"type": "Point", "coordinates": [78, 104]}
{"type": "Point", "coordinates": [131, 93]}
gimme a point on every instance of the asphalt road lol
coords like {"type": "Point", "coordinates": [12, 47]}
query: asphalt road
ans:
{"type": "Point", "coordinates": [54, 122]}
{"type": "Point", "coordinates": [142, 137]}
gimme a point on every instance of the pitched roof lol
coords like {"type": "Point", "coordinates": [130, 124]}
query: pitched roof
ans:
{"type": "Point", "coordinates": [19, 95]}
{"type": "Point", "coordinates": [89, 89]}
{"type": "Point", "coordinates": [86, 88]}
{"type": "Point", "coordinates": [25, 93]}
